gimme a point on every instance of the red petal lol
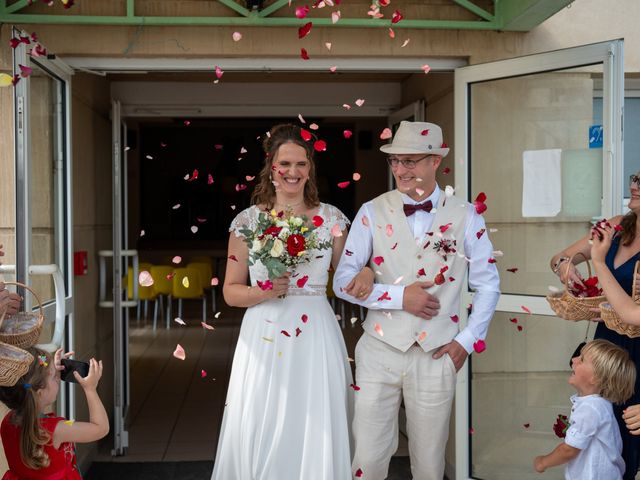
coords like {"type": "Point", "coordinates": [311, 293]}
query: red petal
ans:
{"type": "Point", "coordinates": [285, 333]}
{"type": "Point", "coordinates": [444, 228]}
{"type": "Point", "coordinates": [525, 309]}
{"type": "Point", "coordinates": [233, 257]}
{"type": "Point", "coordinates": [480, 207]}
{"type": "Point", "coordinates": [305, 134]}
{"type": "Point", "coordinates": [354, 386]}
{"type": "Point", "coordinates": [439, 279]}
{"type": "Point", "coordinates": [343, 184]}
{"type": "Point", "coordinates": [304, 54]}
{"type": "Point", "coordinates": [512, 270]}
{"type": "Point", "coordinates": [454, 318]}
{"type": "Point", "coordinates": [301, 12]}
{"type": "Point", "coordinates": [378, 260]}
{"type": "Point", "coordinates": [304, 318]}
{"type": "Point", "coordinates": [492, 260]}
{"type": "Point", "coordinates": [519, 328]}
{"type": "Point", "coordinates": [397, 16]}
{"type": "Point", "coordinates": [347, 133]}
{"type": "Point", "coordinates": [424, 132]}
{"type": "Point", "coordinates": [298, 331]}
{"type": "Point", "coordinates": [481, 197]}
{"type": "Point", "coordinates": [513, 320]}
{"type": "Point", "coordinates": [320, 146]}
{"type": "Point", "coordinates": [480, 346]}
{"type": "Point", "coordinates": [304, 30]}
{"type": "Point", "coordinates": [480, 232]}
{"type": "Point", "coordinates": [394, 246]}
{"type": "Point", "coordinates": [526, 425]}
{"type": "Point", "coordinates": [446, 170]}
{"type": "Point", "coordinates": [421, 272]}
{"type": "Point", "coordinates": [302, 281]}
{"type": "Point", "coordinates": [317, 220]}
{"type": "Point", "coordinates": [359, 473]}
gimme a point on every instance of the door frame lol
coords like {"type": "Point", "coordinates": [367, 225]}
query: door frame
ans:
{"type": "Point", "coordinates": [610, 55]}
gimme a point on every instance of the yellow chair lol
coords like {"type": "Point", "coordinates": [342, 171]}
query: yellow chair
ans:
{"type": "Point", "coordinates": [204, 269]}
{"type": "Point", "coordinates": [163, 285]}
{"type": "Point", "coordinates": [187, 285]}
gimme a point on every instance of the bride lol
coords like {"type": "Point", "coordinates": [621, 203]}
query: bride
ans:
{"type": "Point", "coordinates": [288, 406]}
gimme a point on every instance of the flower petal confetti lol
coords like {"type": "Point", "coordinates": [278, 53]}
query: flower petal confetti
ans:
{"type": "Point", "coordinates": [237, 36]}
{"type": "Point", "coordinates": [305, 134]}
{"type": "Point", "coordinates": [320, 146]}
{"type": "Point", "coordinates": [347, 134]}
{"type": "Point", "coordinates": [454, 318]}
{"type": "Point", "coordinates": [425, 68]}
{"type": "Point", "coordinates": [206, 326]}
{"type": "Point", "coordinates": [304, 30]}
{"type": "Point", "coordinates": [378, 329]}
{"type": "Point", "coordinates": [359, 102]}
{"type": "Point", "coordinates": [145, 279]}
{"type": "Point", "coordinates": [194, 229]}
{"type": "Point", "coordinates": [317, 220]}
{"type": "Point", "coordinates": [396, 17]}
{"type": "Point", "coordinates": [303, 54]}
{"type": "Point", "coordinates": [302, 281]}
{"type": "Point", "coordinates": [177, 259]}
{"type": "Point", "coordinates": [179, 353]}
{"type": "Point", "coordinates": [185, 282]}
{"type": "Point", "coordinates": [356, 176]}
{"type": "Point", "coordinates": [480, 346]}
{"type": "Point", "coordinates": [335, 16]}
{"type": "Point", "coordinates": [179, 321]}
{"type": "Point", "coordinates": [359, 473]}
{"type": "Point", "coordinates": [386, 134]}
{"type": "Point", "coordinates": [302, 12]}
{"type": "Point", "coordinates": [336, 231]}
{"type": "Point", "coordinates": [525, 309]}
{"type": "Point", "coordinates": [378, 260]}
{"type": "Point", "coordinates": [304, 318]}
{"type": "Point", "coordinates": [479, 203]}
{"type": "Point", "coordinates": [389, 230]}
{"type": "Point", "coordinates": [344, 184]}
{"type": "Point", "coordinates": [422, 336]}
{"type": "Point", "coordinates": [203, 373]}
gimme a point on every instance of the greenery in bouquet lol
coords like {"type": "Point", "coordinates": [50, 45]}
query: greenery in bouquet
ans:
{"type": "Point", "coordinates": [282, 241]}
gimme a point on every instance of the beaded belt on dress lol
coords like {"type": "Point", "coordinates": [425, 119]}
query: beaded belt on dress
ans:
{"type": "Point", "coordinates": [309, 290]}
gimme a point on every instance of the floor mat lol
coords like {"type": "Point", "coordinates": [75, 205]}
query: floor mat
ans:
{"type": "Point", "coordinates": [398, 470]}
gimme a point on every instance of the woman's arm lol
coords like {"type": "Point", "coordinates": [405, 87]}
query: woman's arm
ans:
{"type": "Point", "coordinates": [623, 304]}
{"type": "Point", "coordinates": [236, 292]}
{"type": "Point", "coordinates": [361, 285]}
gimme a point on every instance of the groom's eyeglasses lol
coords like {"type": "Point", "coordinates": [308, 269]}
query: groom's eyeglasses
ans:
{"type": "Point", "coordinates": [406, 163]}
{"type": "Point", "coordinates": [635, 179]}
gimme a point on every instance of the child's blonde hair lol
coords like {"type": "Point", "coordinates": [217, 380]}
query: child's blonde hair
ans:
{"type": "Point", "coordinates": [21, 398]}
{"type": "Point", "coordinates": [614, 370]}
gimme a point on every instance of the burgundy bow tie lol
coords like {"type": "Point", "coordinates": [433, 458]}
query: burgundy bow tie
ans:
{"type": "Point", "coordinates": [411, 209]}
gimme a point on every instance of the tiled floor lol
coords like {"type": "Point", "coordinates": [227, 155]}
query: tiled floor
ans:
{"type": "Point", "coordinates": [176, 406]}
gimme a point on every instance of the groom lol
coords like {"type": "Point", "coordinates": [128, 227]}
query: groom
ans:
{"type": "Point", "coordinates": [420, 243]}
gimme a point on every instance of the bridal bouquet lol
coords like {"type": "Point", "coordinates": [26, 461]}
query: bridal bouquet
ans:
{"type": "Point", "coordinates": [281, 241]}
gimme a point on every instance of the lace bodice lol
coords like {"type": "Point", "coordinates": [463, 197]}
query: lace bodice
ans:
{"type": "Point", "coordinates": [317, 268]}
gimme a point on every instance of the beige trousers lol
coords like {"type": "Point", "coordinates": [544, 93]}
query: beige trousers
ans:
{"type": "Point", "coordinates": [385, 375]}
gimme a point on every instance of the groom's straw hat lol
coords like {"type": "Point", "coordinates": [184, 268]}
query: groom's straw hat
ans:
{"type": "Point", "coordinates": [417, 137]}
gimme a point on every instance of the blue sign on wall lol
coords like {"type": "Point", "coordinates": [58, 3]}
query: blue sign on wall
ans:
{"type": "Point", "coordinates": [595, 136]}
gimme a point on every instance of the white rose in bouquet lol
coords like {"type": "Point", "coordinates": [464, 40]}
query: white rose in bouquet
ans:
{"type": "Point", "coordinates": [257, 245]}
{"type": "Point", "coordinates": [284, 233]}
{"type": "Point", "coordinates": [277, 249]}
{"type": "Point", "coordinates": [296, 221]}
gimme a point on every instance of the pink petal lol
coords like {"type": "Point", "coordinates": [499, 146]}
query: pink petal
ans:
{"type": "Point", "coordinates": [314, 126]}
{"type": "Point", "coordinates": [301, 12]}
{"type": "Point", "coordinates": [386, 134]}
{"type": "Point", "coordinates": [333, 69]}
{"type": "Point", "coordinates": [25, 71]}
{"type": "Point", "coordinates": [419, 191]}
{"type": "Point", "coordinates": [359, 102]}
{"type": "Point", "coordinates": [347, 133]}
{"type": "Point", "coordinates": [187, 123]}
{"type": "Point", "coordinates": [343, 184]}
{"type": "Point", "coordinates": [392, 34]}
{"type": "Point", "coordinates": [219, 72]}
{"type": "Point", "coordinates": [237, 36]}
{"type": "Point", "coordinates": [346, 106]}
{"type": "Point", "coordinates": [480, 346]}
{"type": "Point", "coordinates": [179, 353]}
{"type": "Point", "coordinates": [356, 388]}
{"type": "Point", "coordinates": [145, 279]}
{"type": "Point", "coordinates": [525, 309]}
{"type": "Point", "coordinates": [405, 43]}
{"type": "Point", "coordinates": [378, 260]}
{"type": "Point", "coordinates": [194, 229]}
{"type": "Point", "coordinates": [177, 259]}
{"type": "Point", "coordinates": [301, 118]}
{"type": "Point", "coordinates": [365, 220]}
{"type": "Point", "coordinates": [298, 331]}
{"type": "Point", "coordinates": [206, 326]}
{"type": "Point", "coordinates": [389, 230]}
{"type": "Point", "coordinates": [328, 45]}
{"type": "Point", "coordinates": [203, 373]}
{"type": "Point", "coordinates": [425, 68]}
{"type": "Point", "coordinates": [336, 231]}
{"type": "Point", "coordinates": [285, 333]}
{"type": "Point", "coordinates": [215, 282]}
{"type": "Point", "coordinates": [356, 176]}
{"type": "Point", "coordinates": [240, 187]}
{"type": "Point", "coordinates": [422, 336]}
{"type": "Point", "coordinates": [378, 329]}
{"type": "Point", "coordinates": [335, 16]}
{"type": "Point", "coordinates": [359, 473]}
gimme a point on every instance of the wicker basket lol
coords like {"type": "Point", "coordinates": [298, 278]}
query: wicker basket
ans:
{"type": "Point", "coordinates": [14, 363]}
{"type": "Point", "coordinates": [22, 329]}
{"type": "Point", "coordinates": [570, 307]}
{"type": "Point", "coordinates": [611, 318]}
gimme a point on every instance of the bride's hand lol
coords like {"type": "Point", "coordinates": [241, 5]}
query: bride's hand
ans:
{"type": "Point", "coordinates": [361, 285]}
{"type": "Point", "coordinates": [280, 286]}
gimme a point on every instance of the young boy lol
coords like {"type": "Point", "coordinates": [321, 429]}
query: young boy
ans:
{"type": "Point", "coordinates": [602, 374]}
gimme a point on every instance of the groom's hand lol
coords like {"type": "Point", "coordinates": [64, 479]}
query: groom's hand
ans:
{"type": "Point", "coordinates": [456, 351]}
{"type": "Point", "coordinates": [418, 302]}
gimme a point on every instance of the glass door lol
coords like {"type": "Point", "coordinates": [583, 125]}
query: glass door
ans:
{"type": "Point", "coordinates": [43, 201]}
{"type": "Point", "coordinates": [530, 137]}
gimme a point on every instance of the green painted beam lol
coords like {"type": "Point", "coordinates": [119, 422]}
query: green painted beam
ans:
{"type": "Point", "coordinates": [16, 6]}
{"type": "Point", "coordinates": [472, 7]}
{"type": "Point", "coordinates": [233, 6]}
{"type": "Point", "coordinates": [523, 15]}
{"type": "Point", "coordinates": [131, 8]}
{"type": "Point", "coordinates": [253, 20]}
{"type": "Point", "coordinates": [277, 5]}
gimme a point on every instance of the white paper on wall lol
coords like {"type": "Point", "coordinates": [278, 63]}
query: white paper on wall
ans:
{"type": "Point", "coordinates": [541, 183]}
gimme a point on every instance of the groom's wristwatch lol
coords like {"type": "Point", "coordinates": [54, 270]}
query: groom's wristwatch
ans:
{"type": "Point", "coordinates": [556, 266]}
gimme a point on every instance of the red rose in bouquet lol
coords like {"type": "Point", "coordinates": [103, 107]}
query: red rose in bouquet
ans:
{"type": "Point", "coordinates": [295, 244]}
{"type": "Point", "coordinates": [273, 231]}
{"type": "Point", "coordinates": [561, 426]}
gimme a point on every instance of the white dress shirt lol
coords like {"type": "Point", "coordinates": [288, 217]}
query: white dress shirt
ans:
{"type": "Point", "coordinates": [483, 276]}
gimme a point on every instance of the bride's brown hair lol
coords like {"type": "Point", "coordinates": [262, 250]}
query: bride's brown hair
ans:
{"type": "Point", "coordinates": [628, 224]}
{"type": "Point", "coordinates": [265, 193]}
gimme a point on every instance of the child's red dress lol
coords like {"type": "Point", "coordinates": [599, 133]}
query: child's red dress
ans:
{"type": "Point", "coordinates": [62, 460]}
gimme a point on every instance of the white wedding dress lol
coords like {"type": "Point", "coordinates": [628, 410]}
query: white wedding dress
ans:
{"type": "Point", "coordinates": [288, 407]}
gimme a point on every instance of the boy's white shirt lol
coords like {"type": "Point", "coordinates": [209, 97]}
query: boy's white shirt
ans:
{"type": "Point", "coordinates": [594, 431]}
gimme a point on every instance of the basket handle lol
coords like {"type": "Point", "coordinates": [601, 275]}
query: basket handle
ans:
{"type": "Point", "coordinates": [635, 289]}
{"type": "Point", "coordinates": [35, 295]}
{"type": "Point", "coordinates": [569, 263]}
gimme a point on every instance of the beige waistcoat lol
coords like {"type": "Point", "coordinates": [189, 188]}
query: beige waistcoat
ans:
{"type": "Point", "coordinates": [404, 258]}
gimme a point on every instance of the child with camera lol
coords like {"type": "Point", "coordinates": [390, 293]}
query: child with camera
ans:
{"type": "Point", "coordinates": [602, 374]}
{"type": "Point", "coordinates": [39, 444]}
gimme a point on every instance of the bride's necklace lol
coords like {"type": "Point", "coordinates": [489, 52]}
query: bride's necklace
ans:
{"type": "Point", "coordinates": [289, 206]}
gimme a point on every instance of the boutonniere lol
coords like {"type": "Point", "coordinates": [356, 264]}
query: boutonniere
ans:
{"type": "Point", "coordinates": [445, 247]}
